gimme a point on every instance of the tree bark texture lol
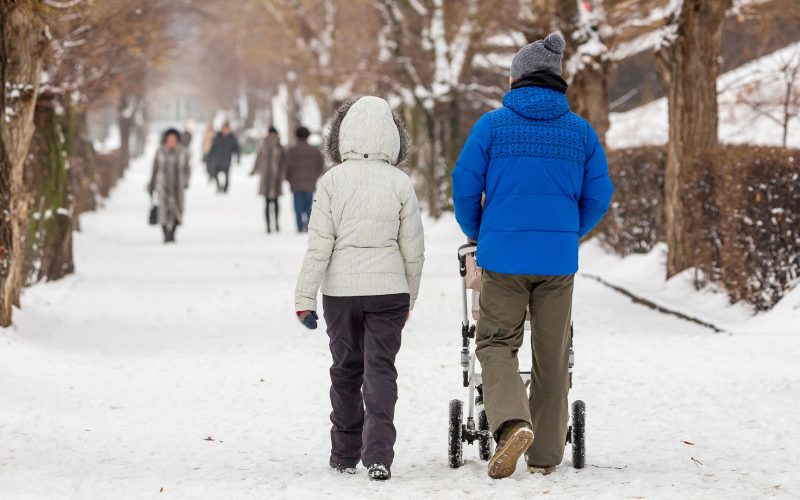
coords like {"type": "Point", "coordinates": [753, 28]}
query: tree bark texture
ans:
{"type": "Point", "coordinates": [689, 68]}
{"type": "Point", "coordinates": [48, 244]}
{"type": "Point", "coordinates": [23, 46]}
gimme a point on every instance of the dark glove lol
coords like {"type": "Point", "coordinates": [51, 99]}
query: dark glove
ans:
{"type": "Point", "coordinates": [308, 319]}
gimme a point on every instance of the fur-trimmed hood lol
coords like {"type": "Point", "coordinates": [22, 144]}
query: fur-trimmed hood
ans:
{"type": "Point", "coordinates": [366, 128]}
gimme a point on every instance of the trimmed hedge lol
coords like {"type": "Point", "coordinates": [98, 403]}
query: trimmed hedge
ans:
{"type": "Point", "coordinates": [748, 238]}
{"type": "Point", "coordinates": [743, 204]}
{"type": "Point", "coordinates": [635, 222]}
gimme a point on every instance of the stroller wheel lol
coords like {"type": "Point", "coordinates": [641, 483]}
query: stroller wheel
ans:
{"type": "Point", "coordinates": [485, 441]}
{"type": "Point", "coordinates": [579, 434]}
{"type": "Point", "coordinates": [455, 442]}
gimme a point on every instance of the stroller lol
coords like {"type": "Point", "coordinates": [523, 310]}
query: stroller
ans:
{"type": "Point", "coordinates": [470, 431]}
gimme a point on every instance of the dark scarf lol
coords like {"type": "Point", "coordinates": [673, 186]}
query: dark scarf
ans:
{"type": "Point", "coordinates": [544, 79]}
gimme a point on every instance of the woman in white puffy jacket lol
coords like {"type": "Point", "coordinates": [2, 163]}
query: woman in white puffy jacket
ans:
{"type": "Point", "coordinates": [365, 250]}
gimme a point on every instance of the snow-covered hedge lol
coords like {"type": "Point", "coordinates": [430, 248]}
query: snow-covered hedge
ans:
{"type": "Point", "coordinates": [744, 206]}
{"type": "Point", "coordinates": [635, 221]}
{"type": "Point", "coordinates": [748, 232]}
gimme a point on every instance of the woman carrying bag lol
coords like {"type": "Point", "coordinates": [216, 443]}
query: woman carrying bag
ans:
{"type": "Point", "coordinates": [168, 182]}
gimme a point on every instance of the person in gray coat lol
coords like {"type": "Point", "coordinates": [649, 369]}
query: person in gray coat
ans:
{"type": "Point", "coordinates": [366, 250]}
{"type": "Point", "coordinates": [168, 181]}
{"type": "Point", "coordinates": [270, 165]}
{"type": "Point", "coordinates": [304, 166]}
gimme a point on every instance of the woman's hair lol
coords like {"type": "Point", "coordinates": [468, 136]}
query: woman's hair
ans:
{"type": "Point", "coordinates": [169, 132]}
{"type": "Point", "coordinates": [332, 141]}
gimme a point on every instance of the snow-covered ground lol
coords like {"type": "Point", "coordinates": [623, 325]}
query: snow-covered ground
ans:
{"type": "Point", "coordinates": [738, 122]}
{"type": "Point", "coordinates": [181, 372]}
{"type": "Point", "coordinates": [644, 276]}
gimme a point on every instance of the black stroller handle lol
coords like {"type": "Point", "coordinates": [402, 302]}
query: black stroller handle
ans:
{"type": "Point", "coordinates": [463, 251]}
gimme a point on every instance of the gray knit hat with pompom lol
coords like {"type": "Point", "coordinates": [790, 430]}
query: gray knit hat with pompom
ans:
{"type": "Point", "coordinates": [540, 55]}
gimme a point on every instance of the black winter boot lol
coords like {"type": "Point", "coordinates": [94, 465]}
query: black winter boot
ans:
{"type": "Point", "coordinates": [342, 469]}
{"type": "Point", "coordinates": [379, 472]}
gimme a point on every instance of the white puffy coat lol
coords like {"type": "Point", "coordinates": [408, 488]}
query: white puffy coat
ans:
{"type": "Point", "coordinates": [365, 233]}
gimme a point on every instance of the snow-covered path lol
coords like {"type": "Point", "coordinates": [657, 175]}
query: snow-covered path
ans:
{"type": "Point", "coordinates": [180, 372]}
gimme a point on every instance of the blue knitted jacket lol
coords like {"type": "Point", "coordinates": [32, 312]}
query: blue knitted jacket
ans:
{"type": "Point", "coordinates": [545, 177]}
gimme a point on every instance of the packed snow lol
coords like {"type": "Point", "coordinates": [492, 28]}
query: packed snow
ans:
{"type": "Point", "coordinates": [181, 372]}
{"type": "Point", "coordinates": [759, 80]}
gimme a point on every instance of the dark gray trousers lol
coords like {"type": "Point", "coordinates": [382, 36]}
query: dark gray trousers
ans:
{"type": "Point", "coordinates": [364, 335]}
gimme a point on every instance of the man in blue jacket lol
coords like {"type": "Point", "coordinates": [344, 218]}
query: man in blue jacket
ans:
{"type": "Point", "coordinates": [544, 176]}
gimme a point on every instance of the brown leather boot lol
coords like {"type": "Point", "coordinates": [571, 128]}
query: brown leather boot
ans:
{"type": "Point", "coordinates": [515, 437]}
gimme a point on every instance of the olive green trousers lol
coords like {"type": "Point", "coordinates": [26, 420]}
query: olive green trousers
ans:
{"type": "Point", "coordinates": [504, 301]}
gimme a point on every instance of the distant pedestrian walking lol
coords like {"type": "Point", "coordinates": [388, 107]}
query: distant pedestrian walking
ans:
{"type": "Point", "coordinates": [186, 136]}
{"type": "Point", "coordinates": [208, 140]}
{"type": "Point", "coordinates": [270, 165]}
{"type": "Point", "coordinates": [366, 250]}
{"type": "Point", "coordinates": [168, 182]}
{"type": "Point", "coordinates": [224, 146]}
{"type": "Point", "coordinates": [304, 165]}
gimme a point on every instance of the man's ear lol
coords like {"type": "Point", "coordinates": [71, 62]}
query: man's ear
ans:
{"type": "Point", "coordinates": [510, 81]}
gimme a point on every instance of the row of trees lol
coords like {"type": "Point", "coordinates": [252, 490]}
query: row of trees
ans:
{"type": "Point", "coordinates": [446, 62]}
{"type": "Point", "coordinates": [56, 59]}
{"type": "Point", "coordinates": [442, 63]}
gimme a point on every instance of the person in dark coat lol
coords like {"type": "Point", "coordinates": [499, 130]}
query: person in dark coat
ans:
{"type": "Point", "coordinates": [186, 136]}
{"type": "Point", "coordinates": [304, 165]}
{"type": "Point", "coordinates": [224, 146]}
{"type": "Point", "coordinates": [270, 165]}
{"type": "Point", "coordinates": [168, 182]}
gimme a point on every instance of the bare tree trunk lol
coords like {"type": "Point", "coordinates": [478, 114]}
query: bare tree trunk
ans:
{"type": "Point", "coordinates": [293, 108]}
{"type": "Point", "coordinates": [589, 97]}
{"type": "Point", "coordinates": [48, 245]}
{"type": "Point", "coordinates": [125, 114]}
{"type": "Point", "coordinates": [82, 162]}
{"type": "Point", "coordinates": [432, 177]}
{"type": "Point", "coordinates": [689, 68]}
{"type": "Point", "coordinates": [23, 46]}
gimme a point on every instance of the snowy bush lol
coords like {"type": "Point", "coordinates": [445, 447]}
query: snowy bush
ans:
{"type": "Point", "coordinates": [743, 208]}
{"type": "Point", "coordinates": [635, 221]}
{"type": "Point", "coordinates": [747, 236]}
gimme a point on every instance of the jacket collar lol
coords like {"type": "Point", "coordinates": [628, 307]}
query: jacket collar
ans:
{"type": "Point", "coordinates": [543, 79]}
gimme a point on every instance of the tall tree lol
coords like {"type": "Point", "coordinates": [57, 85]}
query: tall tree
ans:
{"type": "Point", "coordinates": [23, 47]}
{"type": "Point", "coordinates": [688, 64]}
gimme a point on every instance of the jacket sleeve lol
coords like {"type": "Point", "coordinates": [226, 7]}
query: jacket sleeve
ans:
{"type": "Point", "coordinates": [597, 189]}
{"type": "Point", "coordinates": [411, 239]}
{"type": "Point", "coordinates": [186, 167]}
{"type": "Point", "coordinates": [321, 238]}
{"type": "Point", "coordinates": [282, 166]}
{"type": "Point", "coordinates": [469, 178]}
{"type": "Point", "coordinates": [151, 186]}
{"type": "Point", "coordinates": [257, 163]}
{"type": "Point", "coordinates": [289, 165]}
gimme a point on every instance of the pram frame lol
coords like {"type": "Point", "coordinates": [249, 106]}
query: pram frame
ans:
{"type": "Point", "coordinates": [473, 381]}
